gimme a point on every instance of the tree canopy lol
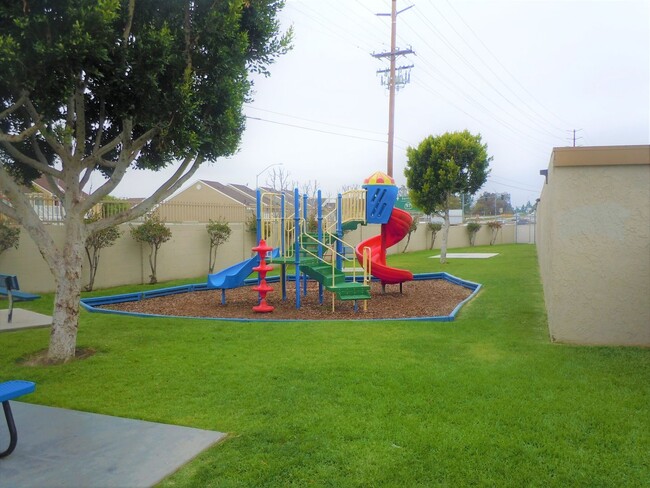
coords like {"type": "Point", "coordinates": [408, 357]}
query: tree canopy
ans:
{"type": "Point", "coordinates": [492, 204]}
{"type": "Point", "coordinates": [106, 86]}
{"type": "Point", "coordinates": [443, 166]}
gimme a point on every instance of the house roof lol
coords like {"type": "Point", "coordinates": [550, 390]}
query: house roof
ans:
{"type": "Point", "coordinates": [236, 195]}
{"type": "Point", "coordinates": [42, 185]}
{"type": "Point", "coordinates": [244, 189]}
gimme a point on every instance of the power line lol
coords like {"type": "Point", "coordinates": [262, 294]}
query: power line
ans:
{"type": "Point", "coordinates": [332, 27]}
{"type": "Point", "coordinates": [323, 123]}
{"type": "Point", "coordinates": [477, 72]}
{"type": "Point", "coordinates": [313, 121]}
{"type": "Point", "coordinates": [295, 126]}
{"type": "Point", "coordinates": [508, 72]}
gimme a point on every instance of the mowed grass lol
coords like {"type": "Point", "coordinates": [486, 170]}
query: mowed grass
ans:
{"type": "Point", "coordinates": [485, 400]}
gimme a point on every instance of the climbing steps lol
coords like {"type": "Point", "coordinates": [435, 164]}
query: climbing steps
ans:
{"type": "Point", "coordinates": [320, 269]}
{"type": "Point", "coordinates": [335, 282]}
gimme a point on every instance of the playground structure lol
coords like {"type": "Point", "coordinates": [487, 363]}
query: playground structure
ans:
{"type": "Point", "coordinates": [262, 287]}
{"type": "Point", "coordinates": [301, 235]}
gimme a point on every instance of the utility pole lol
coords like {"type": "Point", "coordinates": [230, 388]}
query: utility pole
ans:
{"type": "Point", "coordinates": [574, 136]}
{"type": "Point", "coordinates": [391, 79]}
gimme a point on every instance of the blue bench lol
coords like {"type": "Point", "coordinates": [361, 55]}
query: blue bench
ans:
{"type": "Point", "coordinates": [9, 287]}
{"type": "Point", "coordinates": [9, 284]}
{"type": "Point", "coordinates": [10, 390]}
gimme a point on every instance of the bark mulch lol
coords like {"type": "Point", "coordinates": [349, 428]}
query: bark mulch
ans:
{"type": "Point", "coordinates": [428, 298]}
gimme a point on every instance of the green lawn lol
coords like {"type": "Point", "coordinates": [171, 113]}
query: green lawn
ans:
{"type": "Point", "coordinates": [485, 400]}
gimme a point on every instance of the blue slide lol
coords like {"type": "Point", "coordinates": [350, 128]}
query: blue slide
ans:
{"type": "Point", "coordinates": [234, 276]}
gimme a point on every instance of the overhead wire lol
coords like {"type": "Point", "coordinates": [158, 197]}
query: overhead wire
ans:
{"type": "Point", "coordinates": [473, 101]}
{"type": "Point", "coordinates": [509, 72]}
{"type": "Point", "coordinates": [481, 75]}
{"type": "Point", "coordinates": [296, 126]}
{"type": "Point", "coordinates": [459, 55]}
{"type": "Point", "coordinates": [333, 27]}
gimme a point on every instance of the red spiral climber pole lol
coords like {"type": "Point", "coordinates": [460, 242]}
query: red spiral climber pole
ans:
{"type": "Point", "coordinates": [262, 288]}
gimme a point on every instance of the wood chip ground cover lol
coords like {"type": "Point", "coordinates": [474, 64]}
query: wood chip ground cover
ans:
{"type": "Point", "coordinates": [429, 298]}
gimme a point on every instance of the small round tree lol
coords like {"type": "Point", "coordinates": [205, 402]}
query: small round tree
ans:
{"type": "Point", "coordinates": [9, 236]}
{"type": "Point", "coordinates": [444, 166]}
{"type": "Point", "coordinates": [219, 233]}
{"type": "Point", "coordinates": [95, 242]}
{"type": "Point", "coordinates": [153, 232]}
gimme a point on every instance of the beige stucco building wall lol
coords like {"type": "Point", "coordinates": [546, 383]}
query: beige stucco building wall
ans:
{"type": "Point", "coordinates": [593, 238]}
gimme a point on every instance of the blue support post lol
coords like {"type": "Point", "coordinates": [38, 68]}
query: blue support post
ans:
{"type": "Point", "coordinates": [259, 215]}
{"type": "Point", "coordinates": [283, 272]}
{"type": "Point", "coordinates": [304, 216]}
{"type": "Point", "coordinates": [282, 224]}
{"type": "Point", "coordinates": [223, 296]}
{"type": "Point", "coordinates": [259, 226]}
{"type": "Point", "coordinates": [339, 232]}
{"type": "Point", "coordinates": [319, 222]}
{"type": "Point", "coordinates": [296, 213]}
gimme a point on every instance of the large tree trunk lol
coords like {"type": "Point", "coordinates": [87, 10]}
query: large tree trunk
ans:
{"type": "Point", "coordinates": [445, 235]}
{"type": "Point", "coordinates": [65, 319]}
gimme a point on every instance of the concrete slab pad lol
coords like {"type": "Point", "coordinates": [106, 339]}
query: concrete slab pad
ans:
{"type": "Point", "coordinates": [66, 448]}
{"type": "Point", "coordinates": [23, 319]}
{"type": "Point", "coordinates": [468, 255]}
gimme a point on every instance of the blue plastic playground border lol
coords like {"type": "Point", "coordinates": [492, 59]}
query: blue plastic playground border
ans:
{"type": "Point", "coordinates": [92, 304]}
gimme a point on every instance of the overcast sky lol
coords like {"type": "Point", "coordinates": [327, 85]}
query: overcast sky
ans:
{"type": "Point", "coordinates": [523, 74]}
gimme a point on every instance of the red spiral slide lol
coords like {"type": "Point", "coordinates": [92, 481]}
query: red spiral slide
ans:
{"type": "Point", "coordinates": [391, 233]}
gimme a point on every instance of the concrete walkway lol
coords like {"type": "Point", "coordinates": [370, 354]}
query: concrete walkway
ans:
{"type": "Point", "coordinates": [23, 319]}
{"type": "Point", "coordinates": [66, 448]}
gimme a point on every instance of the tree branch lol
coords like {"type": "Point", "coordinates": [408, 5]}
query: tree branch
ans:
{"type": "Point", "coordinates": [84, 179]}
{"type": "Point", "coordinates": [19, 137]}
{"type": "Point", "coordinates": [54, 187]}
{"type": "Point", "coordinates": [128, 154]}
{"type": "Point", "coordinates": [37, 150]}
{"type": "Point", "coordinates": [31, 162]}
{"type": "Point", "coordinates": [129, 22]}
{"type": "Point", "coordinates": [96, 156]}
{"type": "Point", "coordinates": [52, 141]}
{"type": "Point", "coordinates": [15, 106]}
{"type": "Point", "coordinates": [69, 121]}
{"type": "Point", "coordinates": [8, 211]}
{"type": "Point", "coordinates": [172, 184]}
{"type": "Point", "coordinates": [22, 211]}
{"type": "Point", "coordinates": [187, 27]}
{"type": "Point", "coordinates": [80, 116]}
{"type": "Point", "coordinates": [100, 128]}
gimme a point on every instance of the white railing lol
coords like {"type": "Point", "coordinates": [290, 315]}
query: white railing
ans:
{"type": "Point", "coordinates": [50, 209]}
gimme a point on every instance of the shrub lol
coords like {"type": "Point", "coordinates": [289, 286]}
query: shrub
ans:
{"type": "Point", "coordinates": [9, 236]}
{"type": "Point", "coordinates": [412, 228]}
{"type": "Point", "coordinates": [95, 242]}
{"type": "Point", "coordinates": [153, 232]}
{"type": "Point", "coordinates": [494, 226]}
{"type": "Point", "coordinates": [434, 228]}
{"type": "Point", "coordinates": [219, 233]}
{"type": "Point", "coordinates": [472, 229]}
{"type": "Point", "coordinates": [312, 223]}
{"type": "Point", "coordinates": [251, 223]}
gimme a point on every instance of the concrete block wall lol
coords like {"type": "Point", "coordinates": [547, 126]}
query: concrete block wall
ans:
{"type": "Point", "coordinates": [185, 255]}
